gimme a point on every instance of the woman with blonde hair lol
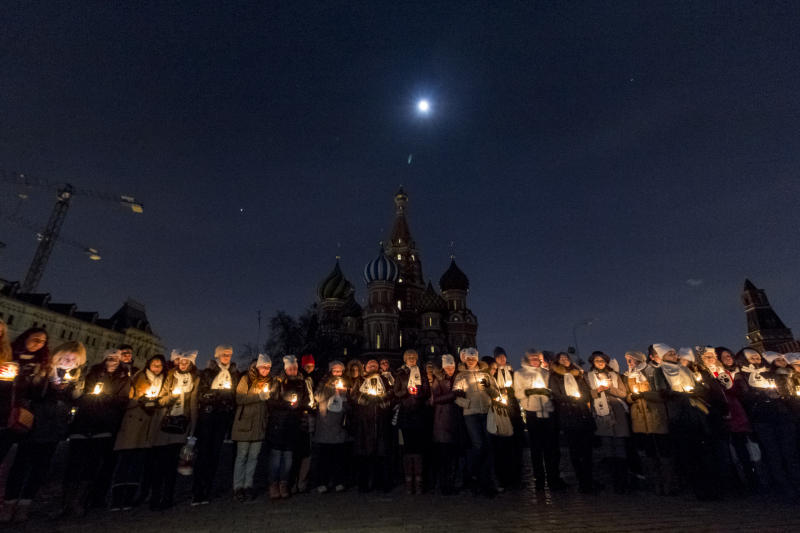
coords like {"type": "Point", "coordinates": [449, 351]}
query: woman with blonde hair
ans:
{"type": "Point", "coordinates": [50, 398]}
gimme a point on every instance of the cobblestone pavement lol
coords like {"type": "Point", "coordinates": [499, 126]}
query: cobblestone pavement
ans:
{"type": "Point", "coordinates": [350, 511]}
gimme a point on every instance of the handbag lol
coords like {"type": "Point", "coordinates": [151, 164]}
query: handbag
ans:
{"type": "Point", "coordinates": [175, 424]}
{"type": "Point", "coordinates": [499, 423]}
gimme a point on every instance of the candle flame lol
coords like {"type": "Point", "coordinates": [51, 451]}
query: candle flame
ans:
{"type": "Point", "coordinates": [339, 384]}
{"type": "Point", "coordinates": [509, 383]}
{"type": "Point", "coordinates": [266, 388]}
{"type": "Point", "coordinates": [372, 391]}
{"type": "Point", "coordinates": [98, 388]}
{"type": "Point", "coordinates": [152, 392]}
{"type": "Point", "coordinates": [177, 390]}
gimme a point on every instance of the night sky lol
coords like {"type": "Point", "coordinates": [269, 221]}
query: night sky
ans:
{"type": "Point", "coordinates": [628, 163]}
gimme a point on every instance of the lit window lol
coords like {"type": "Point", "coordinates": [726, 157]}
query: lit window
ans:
{"type": "Point", "coordinates": [430, 321]}
{"type": "Point", "coordinates": [400, 305]}
{"type": "Point", "coordinates": [378, 341]}
{"type": "Point", "coordinates": [401, 339]}
{"type": "Point", "coordinates": [399, 257]}
{"type": "Point", "coordinates": [412, 257]}
{"type": "Point", "coordinates": [399, 280]}
{"type": "Point", "coordinates": [432, 349]}
{"type": "Point", "coordinates": [345, 350]}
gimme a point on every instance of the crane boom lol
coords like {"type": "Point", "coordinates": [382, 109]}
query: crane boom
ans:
{"type": "Point", "coordinates": [49, 236]}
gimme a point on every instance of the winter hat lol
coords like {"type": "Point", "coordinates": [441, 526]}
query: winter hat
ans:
{"type": "Point", "coordinates": [112, 353]}
{"type": "Point", "coordinates": [793, 358]}
{"type": "Point", "coordinates": [771, 356]}
{"type": "Point", "coordinates": [289, 360]}
{"type": "Point", "coordinates": [469, 353]}
{"type": "Point", "coordinates": [637, 356]}
{"type": "Point", "coordinates": [686, 353]}
{"type": "Point", "coordinates": [750, 351]}
{"type": "Point", "coordinates": [335, 363]}
{"type": "Point", "coordinates": [661, 349]}
{"type": "Point", "coordinates": [263, 360]}
{"type": "Point", "coordinates": [498, 350]}
{"type": "Point", "coordinates": [177, 355]}
{"type": "Point", "coordinates": [307, 359]}
{"type": "Point", "coordinates": [448, 360]}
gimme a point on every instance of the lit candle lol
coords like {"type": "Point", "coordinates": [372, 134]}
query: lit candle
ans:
{"type": "Point", "coordinates": [538, 383]}
{"type": "Point", "coordinates": [576, 394]}
{"type": "Point", "coordinates": [98, 388]}
{"type": "Point", "coordinates": [152, 392]}
{"type": "Point", "coordinates": [412, 390]}
{"type": "Point", "coordinates": [503, 399]}
{"type": "Point", "coordinates": [797, 390]}
{"type": "Point", "coordinates": [226, 385]}
{"type": "Point", "coordinates": [688, 388]}
{"type": "Point", "coordinates": [9, 371]}
{"type": "Point", "coordinates": [177, 390]}
{"type": "Point", "coordinates": [293, 399]}
{"type": "Point", "coordinates": [698, 377]}
{"type": "Point", "coordinates": [602, 383]}
{"type": "Point", "coordinates": [266, 388]}
{"type": "Point", "coordinates": [509, 383]}
{"type": "Point", "coordinates": [635, 388]}
{"type": "Point", "coordinates": [372, 391]}
{"type": "Point", "coordinates": [67, 376]}
{"type": "Point", "coordinates": [340, 384]}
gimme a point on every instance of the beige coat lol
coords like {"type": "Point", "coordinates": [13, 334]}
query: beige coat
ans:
{"type": "Point", "coordinates": [250, 421]}
{"type": "Point", "coordinates": [478, 398]}
{"type": "Point", "coordinates": [139, 424]}
{"type": "Point", "coordinates": [648, 414]}
{"type": "Point", "coordinates": [166, 400]}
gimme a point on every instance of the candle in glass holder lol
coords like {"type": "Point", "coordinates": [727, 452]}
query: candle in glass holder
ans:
{"type": "Point", "coordinates": [576, 394]}
{"type": "Point", "coordinates": [688, 388]}
{"type": "Point", "coordinates": [266, 389]}
{"type": "Point", "coordinates": [9, 372]}
{"type": "Point", "coordinates": [509, 383]}
{"type": "Point", "coordinates": [698, 377]}
{"type": "Point", "coordinates": [340, 384]}
{"type": "Point", "coordinates": [538, 383]}
{"type": "Point", "coordinates": [503, 400]}
{"type": "Point", "coordinates": [226, 385]}
{"type": "Point", "coordinates": [152, 392]}
{"type": "Point", "coordinates": [177, 390]}
{"type": "Point", "coordinates": [372, 391]}
{"type": "Point", "coordinates": [293, 399]}
{"type": "Point", "coordinates": [98, 388]}
{"type": "Point", "coordinates": [412, 390]}
{"type": "Point", "coordinates": [635, 388]}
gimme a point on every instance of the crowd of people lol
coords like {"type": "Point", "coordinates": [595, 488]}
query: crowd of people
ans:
{"type": "Point", "coordinates": [702, 419]}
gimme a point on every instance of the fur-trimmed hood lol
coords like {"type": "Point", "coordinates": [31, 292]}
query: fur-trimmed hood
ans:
{"type": "Point", "coordinates": [482, 367]}
{"type": "Point", "coordinates": [562, 370]}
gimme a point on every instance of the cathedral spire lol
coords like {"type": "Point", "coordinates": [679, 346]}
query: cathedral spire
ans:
{"type": "Point", "coordinates": [401, 233]}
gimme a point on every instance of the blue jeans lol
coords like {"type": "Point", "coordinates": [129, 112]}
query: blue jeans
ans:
{"type": "Point", "coordinates": [280, 464]}
{"type": "Point", "coordinates": [479, 458]}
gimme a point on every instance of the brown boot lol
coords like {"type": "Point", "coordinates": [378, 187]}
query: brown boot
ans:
{"type": "Point", "coordinates": [274, 491]}
{"type": "Point", "coordinates": [284, 490]}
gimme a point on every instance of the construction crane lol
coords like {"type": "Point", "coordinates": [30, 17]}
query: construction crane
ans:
{"type": "Point", "coordinates": [50, 234]}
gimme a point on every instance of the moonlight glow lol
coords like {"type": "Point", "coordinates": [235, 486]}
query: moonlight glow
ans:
{"type": "Point", "coordinates": [423, 106]}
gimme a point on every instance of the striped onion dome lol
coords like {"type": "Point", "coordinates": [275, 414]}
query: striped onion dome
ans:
{"type": "Point", "coordinates": [334, 286]}
{"type": "Point", "coordinates": [382, 268]}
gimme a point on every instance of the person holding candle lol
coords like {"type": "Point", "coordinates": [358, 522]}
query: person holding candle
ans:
{"type": "Point", "coordinates": [730, 426]}
{"type": "Point", "coordinates": [508, 450]}
{"type": "Point", "coordinates": [476, 390]}
{"type": "Point", "coordinates": [771, 419]}
{"type": "Point", "coordinates": [50, 395]}
{"type": "Point", "coordinates": [611, 416]}
{"type": "Point", "coordinates": [100, 407]}
{"type": "Point", "coordinates": [286, 408]}
{"type": "Point", "coordinates": [29, 355]}
{"type": "Point", "coordinates": [531, 388]}
{"type": "Point", "coordinates": [137, 434]}
{"type": "Point", "coordinates": [447, 425]}
{"type": "Point", "coordinates": [301, 455]}
{"type": "Point", "coordinates": [216, 404]}
{"type": "Point", "coordinates": [250, 424]}
{"type": "Point", "coordinates": [330, 435]}
{"type": "Point", "coordinates": [373, 429]}
{"type": "Point", "coordinates": [176, 421]}
{"type": "Point", "coordinates": [689, 427]}
{"type": "Point", "coordinates": [411, 389]}
{"type": "Point", "coordinates": [572, 397]}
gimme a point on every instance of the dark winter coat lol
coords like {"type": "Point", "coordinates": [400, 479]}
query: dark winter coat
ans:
{"type": "Point", "coordinates": [574, 414]}
{"type": "Point", "coordinates": [413, 407]}
{"type": "Point", "coordinates": [447, 416]}
{"type": "Point", "coordinates": [373, 417]}
{"type": "Point", "coordinates": [686, 412]}
{"type": "Point", "coordinates": [51, 403]}
{"type": "Point", "coordinates": [101, 414]}
{"type": "Point", "coordinates": [283, 425]}
{"type": "Point", "coordinates": [30, 365]}
{"type": "Point", "coordinates": [763, 406]}
{"type": "Point", "coordinates": [330, 426]}
{"type": "Point", "coordinates": [217, 400]}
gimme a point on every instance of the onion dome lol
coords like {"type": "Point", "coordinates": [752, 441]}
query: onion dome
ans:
{"type": "Point", "coordinates": [431, 302]}
{"type": "Point", "coordinates": [335, 286]}
{"type": "Point", "coordinates": [382, 268]}
{"type": "Point", "coordinates": [351, 308]}
{"type": "Point", "coordinates": [454, 278]}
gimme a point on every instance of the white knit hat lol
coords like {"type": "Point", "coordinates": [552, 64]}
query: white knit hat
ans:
{"type": "Point", "coordinates": [176, 355]}
{"type": "Point", "coordinates": [750, 351]}
{"type": "Point", "coordinates": [289, 360]}
{"type": "Point", "coordinates": [792, 357]}
{"type": "Point", "coordinates": [662, 349]}
{"type": "Point", "coordinates": [448, 360]}
{"type": "Point", "coordinates": [334, 363]}
{"type": "Point", "coordinates": [263, 360]}
{"type": "Point", "coordinates": [467, 353]}
{"type": "Point", "coordinates": [614, 364]}
{"type": "Point", "coordinates": [686, 353]}
{"type": "Point", "coordinates": [771, 356]}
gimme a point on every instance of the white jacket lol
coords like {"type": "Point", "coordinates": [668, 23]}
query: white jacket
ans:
{"type": "Point", "coordinates": [528, 377]}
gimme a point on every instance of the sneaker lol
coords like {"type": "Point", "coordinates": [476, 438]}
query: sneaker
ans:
{"type": "Point", "coordinates": [322, 489]}
{"type": "Point", "coordinates": [339, 488]}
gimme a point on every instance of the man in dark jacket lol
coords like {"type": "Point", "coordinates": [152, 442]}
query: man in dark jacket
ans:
{"type": "Point", "coordinates": [126, 359]}
{"type": "Point", "coordinates": [216, 405]}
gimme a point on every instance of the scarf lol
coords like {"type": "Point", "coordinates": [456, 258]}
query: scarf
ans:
{"type": "Point", "coordinates": [755, 379]}
{"type": "Point", "coordinates": [540, 403]}
{"type": "Point", "coordinates": [375, 383]}
{"type": "Point", "coordinates": [181, 382]}
{"type": "Point", "coordinates": [155, 381]}
{"type": "Point", "coordinates": [223, 377]}
{"type": "Point", "coordinates": [679, 377]}
{"type": "Point", "coordinates": [601, 406]}
{"type": "Point", "coordinates": [414, 377]}
{"type": "Point", "coordinates": [571, 386]}
{"type": "Point", "coordinates": [505, 377]}
{"type": "Point", "coordinates": [724, 377]}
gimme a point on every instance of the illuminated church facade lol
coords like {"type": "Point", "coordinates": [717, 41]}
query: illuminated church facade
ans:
{"type": "Point", "coordinates": [401, 310]}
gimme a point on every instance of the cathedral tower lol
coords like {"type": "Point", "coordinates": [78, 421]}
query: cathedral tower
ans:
{"type": "Point", "coordinates": [462, 326]}
{"type": "Point", "coordinates": [381, 315]}
{"type": "Point", "coordinates": [765, 329]}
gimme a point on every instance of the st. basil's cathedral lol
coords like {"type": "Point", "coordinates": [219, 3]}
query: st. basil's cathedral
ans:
{"type": "Point", "coordinates": [401, 310]}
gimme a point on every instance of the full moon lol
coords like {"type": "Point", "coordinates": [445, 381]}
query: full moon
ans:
{"type": "Point", "coordinates": [423, 106]}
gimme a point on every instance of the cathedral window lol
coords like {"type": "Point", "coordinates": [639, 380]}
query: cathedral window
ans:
{"type": "Point", "coordinates": [399, 280]}
{"type": "Point", "coordinates": [399, 305]}
{"type": "Point", "coordinates": [344, 352]}
{"type": "Point", "coordinates": [399, 257]}
{"type": "Point", "coordinates": [432, 348]}
{"type": "Point", "coordinates": [377, 341]}
{"type": "Point", "coordinates": [401, 339]}
{"type": "Point", "coordinates": [430, 321]}
{"type": "Point", "coordinates": [413, 258]}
